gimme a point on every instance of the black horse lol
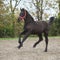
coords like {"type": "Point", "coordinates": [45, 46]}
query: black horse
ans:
{"type": "Point", "coordinates": [33, 27]}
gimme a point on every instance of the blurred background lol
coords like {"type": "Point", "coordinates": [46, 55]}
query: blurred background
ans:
{"type": "Point", "coordinates": [39, 9]}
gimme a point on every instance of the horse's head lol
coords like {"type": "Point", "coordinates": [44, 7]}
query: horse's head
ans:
{"type": "Point", "coordinates": [22, 15]}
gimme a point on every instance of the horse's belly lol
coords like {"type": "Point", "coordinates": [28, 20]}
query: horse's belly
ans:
{"type": "Point", "coordinates": [37, 31]}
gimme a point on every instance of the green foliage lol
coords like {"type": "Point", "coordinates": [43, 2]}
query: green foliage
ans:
{"type": "Point", "coordinates": [55, 28]}
{"type": "Point", "coordinates": [9, 27]}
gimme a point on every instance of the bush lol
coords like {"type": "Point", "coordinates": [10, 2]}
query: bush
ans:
{"type": "Point", "coordinates": [55, 28]}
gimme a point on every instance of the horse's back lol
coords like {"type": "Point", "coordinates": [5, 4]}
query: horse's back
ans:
{"type": "Point", "coordinates": [42, 23]}
{"type": "Point", "coordinates": [40, 26]}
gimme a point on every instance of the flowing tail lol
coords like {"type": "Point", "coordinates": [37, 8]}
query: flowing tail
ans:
{"type": "Point", "coordinates": [51, 20]}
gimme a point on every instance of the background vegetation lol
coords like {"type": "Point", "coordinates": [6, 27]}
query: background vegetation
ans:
{"type": "Point", "coordinates": [9, 27]}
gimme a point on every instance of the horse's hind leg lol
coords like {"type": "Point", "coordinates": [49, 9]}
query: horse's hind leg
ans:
{"type": "Point", "coordinates": [40, 39]}
{"type": "Point", "coordinates": [46, 40]}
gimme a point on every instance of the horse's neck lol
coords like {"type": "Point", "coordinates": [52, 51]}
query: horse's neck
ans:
{"type": "Point", "coordinates": [29, 19]}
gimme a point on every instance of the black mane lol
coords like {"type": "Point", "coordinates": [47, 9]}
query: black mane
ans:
{"type": "Point", "coordinates": [29, 18]}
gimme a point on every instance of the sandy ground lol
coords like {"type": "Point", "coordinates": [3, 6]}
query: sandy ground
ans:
{"type": "Point", "coordinates": [9, 51]}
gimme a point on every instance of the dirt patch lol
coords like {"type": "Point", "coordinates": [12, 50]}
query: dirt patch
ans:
{"type": "Point", "coordinates": [9, 51]}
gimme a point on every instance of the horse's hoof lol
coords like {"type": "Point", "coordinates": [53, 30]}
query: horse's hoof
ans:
{"type": "Point", "coordinates": [19, 47]}
{"type": "Point", "coordinates": [45, 51]}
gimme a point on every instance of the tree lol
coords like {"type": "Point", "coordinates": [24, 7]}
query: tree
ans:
{"type": "Point", "coordinates": [12, 8]}
{"type": "Point", "coordinates": [1, 9]}
{"type": "Point", "coordinates": [39, 6]}
{"type": "Point", "coordinates": [8, 19]}
{"type": "Point", "coordinates": [2, 12]}
{"type": "Point", "coordinates": [44, 5]}
{"type": "Point", "coordinates": [59, 5]}
{"type": "Point", "coordinates": [55, 29]}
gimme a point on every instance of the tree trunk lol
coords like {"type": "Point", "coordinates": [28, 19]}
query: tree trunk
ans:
{"type": "Point", "coordinates": [59, 6]}
{"type": "Point", "coordinates": [41, 9]}
{"type": "Point", "coordinates": [39, 6]}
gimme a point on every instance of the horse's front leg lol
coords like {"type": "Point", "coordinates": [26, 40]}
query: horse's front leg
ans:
{"type": "Point", "coordinates": [25, 36]}
{"type": "Point", "coordinates": [19, 41]}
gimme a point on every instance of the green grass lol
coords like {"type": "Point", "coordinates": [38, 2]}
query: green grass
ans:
{"type": "Point", "coordinates": [55, 36]}
{"type": "Point", "coordinates": [28, 37]}
{"type": "Point", "coordinates": [8, 38]}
